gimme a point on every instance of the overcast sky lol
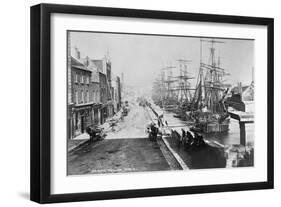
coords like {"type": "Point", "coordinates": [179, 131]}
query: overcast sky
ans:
{"type": "Point", "coordinates": [141, 57]}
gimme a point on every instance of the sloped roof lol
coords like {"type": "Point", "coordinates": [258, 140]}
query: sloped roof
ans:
{"type": "Point", "coordinates": [247, 92]}
{"type": "Point", "coordinates": [98, 64]}
{"type": "Point", "coordinates": [95, 74]}
{"type": "Point", "coordinates": [78, 64]}
{"type": "Point", "coordinates": [236, 89]}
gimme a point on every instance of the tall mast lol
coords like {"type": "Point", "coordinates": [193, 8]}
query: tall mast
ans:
{"type": "Point", "coordinates": [168, 80]}
{"type": "Point", "coordinates": [183, 84]}
{"type": "Point", "coordinates": [212, 79]}
{"type": "Point", "coordinates": [201, 77]}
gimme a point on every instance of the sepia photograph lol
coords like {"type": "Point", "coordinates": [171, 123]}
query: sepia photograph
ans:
{"type": "Point", "coordinates": [153, 102]}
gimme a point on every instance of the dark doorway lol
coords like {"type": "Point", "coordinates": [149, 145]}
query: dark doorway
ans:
{"type": "Point", "coordinates": [82, 124]}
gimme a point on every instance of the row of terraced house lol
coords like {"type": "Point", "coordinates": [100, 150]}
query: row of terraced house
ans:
{"type": "Point", "coordinates": [94, 94]}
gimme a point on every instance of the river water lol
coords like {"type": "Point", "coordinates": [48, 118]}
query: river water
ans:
{"type": "Point", "coordinates": [232, 137]}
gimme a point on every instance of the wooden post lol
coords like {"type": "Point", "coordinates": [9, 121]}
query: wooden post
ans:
{"type": "Point", "coordinates": [242, 133]}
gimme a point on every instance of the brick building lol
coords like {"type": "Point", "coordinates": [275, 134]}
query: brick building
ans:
{"type": "Point", "coordinates": [110, 90]}
{"type": "Point", "coordinates": [103, 67]}
{"type": "Point", "coordinates": [117, 93]}
{"type": "Point", "coordinates": [95, 90]}
{"type": "Point", "coordinates": [82, 98]}
{"type": "Point", "coordinates": [92, 94]}
{"type": "Point", "coordinates": [103, 96]}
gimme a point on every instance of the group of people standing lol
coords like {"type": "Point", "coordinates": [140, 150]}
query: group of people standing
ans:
{"type": "Point", "coordinates": [153, 131]}
{"type": "Point", "coordinates": [189, 139]}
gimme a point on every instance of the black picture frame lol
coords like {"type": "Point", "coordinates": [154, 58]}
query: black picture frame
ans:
{"type": "Point", "coordinates": [41, 102]}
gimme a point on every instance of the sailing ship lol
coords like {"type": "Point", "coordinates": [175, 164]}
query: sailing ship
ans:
{"type": "Point", "coordinates": [172, 92]}
{"type": "Point", "coordinates": [208, 111]}
{"type": "Point", "coordinates": [169, 100]}
{"type": "Point", "coordinates": [183, 89]}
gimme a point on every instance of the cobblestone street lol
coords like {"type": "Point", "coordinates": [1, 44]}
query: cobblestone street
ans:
{"type": "Point", "coordinates": [126, 148]}
{"type": "Point", "coordinates": [117, 155]}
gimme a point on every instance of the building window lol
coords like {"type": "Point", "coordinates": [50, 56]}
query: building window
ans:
{"type": "Point", "coordinates": [76, 78]}
{"type": "Point", "coordinates": [87, 80]}
{"type": "Point", "coordinates": [76, 97]}
{"type": "Point", "coordinates": [82, 79]}
{"type": "Point", "coordinates": [87, 98]}
{"type": "Point", "coordinates": [75, 121]}
{"type": "Point", "coordinates": [82, 97]}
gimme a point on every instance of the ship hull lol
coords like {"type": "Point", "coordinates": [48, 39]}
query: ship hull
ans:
{"type": "Point", "coordinates": [216, 127]}
{"type": "Point", "coordinates": [212, 127]}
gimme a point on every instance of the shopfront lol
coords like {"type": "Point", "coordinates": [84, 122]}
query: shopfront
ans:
{"type": "Point", "coordinates": [81, 119]}
{"type": "Point", "coordinates": [96, 111]}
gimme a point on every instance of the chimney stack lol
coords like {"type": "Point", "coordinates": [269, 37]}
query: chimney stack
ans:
{"type": "Point", "coordinates": [77, 53]}
{"type": "Point", "coordinates": [240, 87]}
{"type": "Point", "coordinates": [87, 61]}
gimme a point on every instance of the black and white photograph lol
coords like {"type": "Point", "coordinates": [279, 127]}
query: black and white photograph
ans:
{"type": "Point", "coordinates": [153, 102]}
{"type": "Point", "coordinates": [133, 103]}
